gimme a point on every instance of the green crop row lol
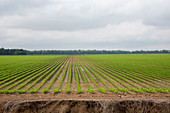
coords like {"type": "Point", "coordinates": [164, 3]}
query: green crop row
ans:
{"type": "Point", "coordinates": [69, 78]}
{"type": "Point", "coordinates": [108, 79]}
{"type": "Point", "coordinates": [24, 69]}
{"type": "Point", "coordinates": [49, 75]}
{"type": "Point", "coordinates": [84, 77]}
{"type": "Point", "coordinates": [62, 78]}
{"type": "Point", "coordinates": [99, 89]}
{"type": "Point", "coordinates": [28, 76]}
{"type": "Point", "coordinates": [39, 74]}
{"type": "Point", "coordinates": [77, 79]}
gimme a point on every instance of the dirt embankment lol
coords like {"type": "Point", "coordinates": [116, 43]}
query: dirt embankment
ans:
{"type": "Point", "coordinates": [85, 106]}
{"type": "Point", "coordinates": [85, 103]}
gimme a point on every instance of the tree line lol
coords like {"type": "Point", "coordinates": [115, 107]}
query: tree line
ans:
{"type": "Point", "coordinates": [76, 52]}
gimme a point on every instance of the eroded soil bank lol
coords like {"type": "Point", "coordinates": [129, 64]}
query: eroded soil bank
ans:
{"type": "Point", "coordinates": [85, 103]}
{"type": "Point", "coordinates": [85, 106]}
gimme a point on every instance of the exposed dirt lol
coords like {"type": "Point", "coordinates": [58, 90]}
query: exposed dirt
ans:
{"type": "Point", "coordinates": [84, 103]}
{"type": "Point", "coordinates": [74, 95]}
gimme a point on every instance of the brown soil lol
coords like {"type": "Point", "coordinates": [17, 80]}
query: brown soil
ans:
{"type": "Point", "coordinates": [74, 95]}
{"type": "Point", "coordinates": [85, 103]}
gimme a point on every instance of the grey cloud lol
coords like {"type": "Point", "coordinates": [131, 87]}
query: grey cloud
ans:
{"type": "Point", "coordinates": [38, 15]}
{"type": "Point", "coordinates": [19, 7]}
{"type": "Point", "coordinates": [98, 24]}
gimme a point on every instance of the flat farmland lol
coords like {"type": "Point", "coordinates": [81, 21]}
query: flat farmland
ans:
{"type": "Point", "coordinates": [85, 83]}
{"type": "Point", "coordinates": [85, 74]}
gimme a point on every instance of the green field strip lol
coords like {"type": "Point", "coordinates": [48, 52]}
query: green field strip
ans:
{"type": "Point", "coordinates": [65, 64]}
{"type": "Point", "coordinates": [126, 77]}
{"type": "Point", "coordinates": [8, 72]}
{"type": "Point", "coordinates": [17, 67]}
{"type": "Point", "coordinates": [22, 74]}
{"type": "Point", "coordinates": [45, 71]}
{"type": "Point", "coordinates": [27, 77]}
{"type": "Point", "coordinates": [121, 76]}
{"type": "Point", "coordinates": [31, 65]}
{"type": "Point", "coordinates": [138, 78]}
{"type": "Point", "coordinates": [111, 76]}
{"type": "Point", "coordinates": [119, 82]}
{"type": "Point", "coordinates": [162, 90]}
{"type": "Point", "coordinates": [98, 76]}
{"type": "Point", "coordinates": [58, 72]}
{"type": "Point", "coordinates": [48, 74]}
{"type": "Point", "coordinates": [143, 71]}
{"type": "Point", "coordinates": [62, 78]}
{"type": "Point", "coordinates": [85, 79]}
{"type": "Point", "coordinates": [91, 77]}
{"type": "Point", "coordinates": [149, 77]}
{"type": "Point", "coordinates": [107, 78]}
{"type": "Point", "coordinates": [15, 79]}
{"type": "Point", "coordinates": [134, 77]}
{"type": "Point", "coordinates": [77, 79]}
{"type": "Point", "coordinates": [69, 78]}
{"type": "Point", "coordinates": [17, 74]}
{"type": "Point", "coordinates": [134, 62]}
{"type": "Point", "coordinates": [26, 70]}
{"type": "Point", "coordinates": [155, 75]}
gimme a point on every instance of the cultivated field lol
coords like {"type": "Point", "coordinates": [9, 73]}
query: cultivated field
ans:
{"type": "Point", "coordinates": [85, 74]}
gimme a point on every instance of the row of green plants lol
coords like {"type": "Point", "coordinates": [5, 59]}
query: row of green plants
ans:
{"type": "Point", "coordinates": [25, 78]}
{"type": "Point", "coordinates": [114, 78]}
{"type": "Point", "coordinates": [97, 76]}
{"type": "Point", "coordinates": [84, 78]}
{"type": "Point", "coordinates": [147, 76]}
{"type": "Point", "coordinates": [81, 68]}
{"type": "Point", "coordinates": [115, 73]}
{"type": "Point", "coordinates": [15, 78]}
{"type": "Point", "coordinates": [62, 78]}
{"type": "Point", "coordinates": [20, 74]}
{"type": "Point", "coordinates": [23, 69]}
{"type": "Point", "coordinates": [69, 78]}
{"type": "Point", "coordinates": [6, 73]}
{"type": "Point", "coordinates": [147, 89]}
{"type": "Point", "coordinates": [93, 80]}
{"type": "Point", "coordinates": [47, 70]}
{"type": "Point", "coordinates": [111, 74]}
{"type": "Point", "coordinates": [48, 74]}
{"type": "Point", "coordinates": [42, 73]}
{"type": "Point", "coordinates": [28, 76]}
{"type": "Point", "coordinates": [77, 79]}
{"type": "Point", "coordinates": [15, 65]}
{"type": "Point", "coordinates": [108, 79]}
{"type": "Point", "coordinates": [127, 77]}
{"type": "Point", "coordinates": [143, 80]}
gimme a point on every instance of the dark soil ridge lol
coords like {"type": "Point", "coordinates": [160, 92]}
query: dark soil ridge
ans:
{"type": "Point", "coordinates": [86, 106]}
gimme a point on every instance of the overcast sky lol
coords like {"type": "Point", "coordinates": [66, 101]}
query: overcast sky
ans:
{"type": "Point", "coordinates": [85, 24]}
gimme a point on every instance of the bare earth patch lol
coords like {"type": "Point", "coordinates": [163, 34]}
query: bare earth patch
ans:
{"type": "Point", "coordinates": [85, 103]}
{"type": "Point", "coordinates": [109, 95]}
